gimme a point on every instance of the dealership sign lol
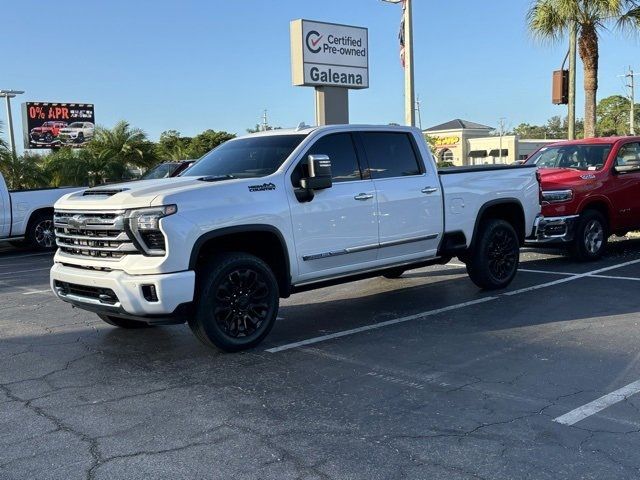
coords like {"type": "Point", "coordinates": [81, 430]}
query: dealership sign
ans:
{"type": "Point", "coordinates": [327, 54]}
{"type": "Point", "coordinates": [52, 125]}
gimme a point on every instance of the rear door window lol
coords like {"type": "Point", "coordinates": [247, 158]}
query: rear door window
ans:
{"type": "Point", "coordinates": [390, 154]}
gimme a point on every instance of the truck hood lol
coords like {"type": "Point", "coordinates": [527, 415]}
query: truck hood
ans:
{"type": "Point", "coordinates": [136, 194]}
{"type": "Point", "coordinates": [559, 178]}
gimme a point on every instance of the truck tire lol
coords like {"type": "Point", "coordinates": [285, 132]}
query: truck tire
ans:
{"type": "Point", "coordinates": [123, 322]}
{"type": "Point", "coordinates": [40, 234]}
{"type": "Point", "coordinates": [494, 261]}
{"type": "Point", "coordinates": [591, 236]}
{"type": "Point", "coordinates": [237, 302]}
{"type": "Point", "coordinates": [394, 273]}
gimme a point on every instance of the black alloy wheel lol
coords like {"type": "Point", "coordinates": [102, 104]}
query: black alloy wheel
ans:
{"type": "Point", "coordinates": [493, 262]}
{"type": "Point", "coordinates": [503, 251]}
{"type": "Point", "coordinates": [237, 302]}
{"type": "Point", "coordinates": [48, 138]}
{"type": "Point", "coordinates": [241, 303]}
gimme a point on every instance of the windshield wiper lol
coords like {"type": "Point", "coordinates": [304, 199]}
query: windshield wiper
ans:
{"type": "Point", "coordinates": [216, 178]}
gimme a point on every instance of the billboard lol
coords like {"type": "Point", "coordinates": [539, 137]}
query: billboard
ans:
{"type": "Point", "coordinates": [53, 125]}
{"type": "Point", "coordinates": [328, 54]}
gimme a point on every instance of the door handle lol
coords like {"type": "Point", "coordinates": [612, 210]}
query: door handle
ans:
{"type": "Point", "coordinates": [364, 196]}
{"type": "Point", "coordinates": [429, 190]}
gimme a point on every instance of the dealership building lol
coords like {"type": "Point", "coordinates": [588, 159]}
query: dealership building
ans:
{"type": "Point", "coordinates": [468, 143]}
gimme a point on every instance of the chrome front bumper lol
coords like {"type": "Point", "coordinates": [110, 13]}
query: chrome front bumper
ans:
{"type": "Point", "coordinates": [554, 230]}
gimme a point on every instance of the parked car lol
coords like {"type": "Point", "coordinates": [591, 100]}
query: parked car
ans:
{"type": "Point", "coordinates": [167, 170]}
{"type": "Point", "coordinates": [77, 132]}
{"type": "Point", "coordinates": [274, 213]}
{"type": "Point", "coordinates": [590, 190]}
{"type": "Point", "coordinates": [26, 216]}
{"type": "Point", "coordinates": [47, 132]}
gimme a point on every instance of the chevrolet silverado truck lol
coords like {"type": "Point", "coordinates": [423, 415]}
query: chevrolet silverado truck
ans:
{"type": "Point", "coordinates": [26, 216]}
{"type": "Point", "coordinates": [591, 190]}
{"type": "Point", "coordinates": [274, 213]}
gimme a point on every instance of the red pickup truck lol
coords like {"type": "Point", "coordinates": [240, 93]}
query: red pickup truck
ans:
{"type": "Point", "coordinates": [590, 190]}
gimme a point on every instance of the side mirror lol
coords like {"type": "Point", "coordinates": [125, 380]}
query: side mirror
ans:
{"type": "Point", "coordinates": [320, 176]}
{"type": "Point", "coordinates": [626, 168]}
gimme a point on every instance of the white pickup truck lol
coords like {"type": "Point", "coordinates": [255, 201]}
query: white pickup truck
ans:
{"type": "Point", "coordinates": [26, 216]}
{"type": "Point", "coordinates": [270, 214]}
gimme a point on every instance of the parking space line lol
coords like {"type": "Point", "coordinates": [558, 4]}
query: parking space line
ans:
{"type": "Point", "coordinates": [572, 278]}
{"type": "Point", "coordinates": [34, 292]}
{"type": "Point", "coordinates": [25, 271]}
{"type": "Point", "coordinates": [615, 278]}
{"type": "Point", "coordinates": [375, 326]}
{"type": "Point", "coordinates": [529, 270]}
{"type": "Point", "coordinates": [580, 413]}
{"type": "Point", "coordinates": [29, 255]}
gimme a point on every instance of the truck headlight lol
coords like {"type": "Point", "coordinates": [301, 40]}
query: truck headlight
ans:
{"type": "Point", "coordinates": [557, 196]}
{"type": "Point", "coordinates": [144, 226]}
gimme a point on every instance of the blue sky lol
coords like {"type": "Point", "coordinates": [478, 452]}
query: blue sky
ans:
{"type": "Point", "coordinates": [190, 65]}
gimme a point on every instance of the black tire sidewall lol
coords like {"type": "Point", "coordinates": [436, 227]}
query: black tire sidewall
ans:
{"type": "Point", "coordinates": [204, 324]}
{"type": "Point", "coordinates": [478, 262]}
{"type": "Point", "coordinates": [579, 249]}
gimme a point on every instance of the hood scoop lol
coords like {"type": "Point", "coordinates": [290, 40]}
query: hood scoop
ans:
{"type": "Point", "coordinates": [104, 192]}
{"type": "Point", "coordinates": [216, 178]}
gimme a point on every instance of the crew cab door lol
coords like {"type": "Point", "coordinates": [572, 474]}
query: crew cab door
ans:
{"type": "Point", "coordinates": [5, 209]}
{"type": "Point", "coordinates": [410, 216]}
{"type": "Point", "coordinates": [336, 232]}
{"type": "Point", "coordinates": [625, 191]}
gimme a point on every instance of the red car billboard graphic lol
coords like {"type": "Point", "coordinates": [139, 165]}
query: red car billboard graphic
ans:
{"type": "Point", "coordinates": [52, 125]}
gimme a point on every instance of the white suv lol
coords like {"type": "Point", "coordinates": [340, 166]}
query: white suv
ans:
{"type": "Point", "coordinates": [76, 132]}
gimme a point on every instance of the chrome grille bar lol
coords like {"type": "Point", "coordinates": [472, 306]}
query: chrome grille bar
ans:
{"type": "Point", "coordinates": [93, 234]}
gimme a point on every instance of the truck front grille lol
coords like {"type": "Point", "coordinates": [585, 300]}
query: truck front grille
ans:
{"type": "Point", "coordinates": [93, 234]}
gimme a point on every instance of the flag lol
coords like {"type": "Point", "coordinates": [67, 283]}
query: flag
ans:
{"type": "Point", "coordinates": [401, 34]}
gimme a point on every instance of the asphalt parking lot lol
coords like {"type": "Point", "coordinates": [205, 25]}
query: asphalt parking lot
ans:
{"type": "Point", "coordinates": [423, 377]}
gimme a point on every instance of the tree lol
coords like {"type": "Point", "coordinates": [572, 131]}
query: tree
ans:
{"type": "Point", "coordinates": [551, 20]}
{"type": "Point", "coordinates": [261, 128]}
{"type": "Point", "coordinates": [22, 171]}
{"type": "Point", "coordinates": [67, 166]}
{"type": "Point", "coordinates": [207, 141]}
{"type": "Point", "coordinates": [556, 127]}
{"type": "Point", "coordinates": [116, 150]}
{"type": "Point", "coordinates": [173, 146]}
{"type": "Point", "coordinates": [613, 116]}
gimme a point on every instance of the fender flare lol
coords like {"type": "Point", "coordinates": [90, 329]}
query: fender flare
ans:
{"type": "Point", "coordinates": [493, 203]}
{"type": "Point", "coordinates": [234, 230]}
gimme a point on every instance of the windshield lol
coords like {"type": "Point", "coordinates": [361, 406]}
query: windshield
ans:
{"type": "Point", "coordinates": [580, 157]}
{"type": "Point", "coordinates": [76, 125]}
{"type": "Point", "coordinates": [247, 157]}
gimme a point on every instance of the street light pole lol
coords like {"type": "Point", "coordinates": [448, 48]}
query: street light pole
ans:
{"type": "Point", "coordinates": [409, 89]}
{"type": "Point", "coordinates": [8, 95]}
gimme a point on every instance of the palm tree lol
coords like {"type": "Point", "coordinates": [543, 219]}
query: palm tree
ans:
{"type": "Point", "coordinates": [22, 172]}
{"type": "Point", "coordinates": [551, 19]}
{"type": "Point", "coordinates": [119, 148]}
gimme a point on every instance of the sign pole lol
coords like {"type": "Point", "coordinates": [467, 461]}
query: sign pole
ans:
{"type": "Point", "coordinates": [332, 105]}
{"type": "Point", "coordinates": [409, 90]}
